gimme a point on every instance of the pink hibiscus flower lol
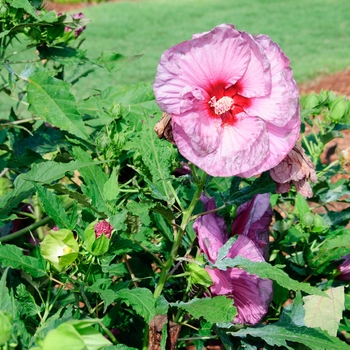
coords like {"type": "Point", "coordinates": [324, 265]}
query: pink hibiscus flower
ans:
{"type": "Point", "coordinates": [233, 101]}
{"type": "Point", "coordinates": [251, 294]}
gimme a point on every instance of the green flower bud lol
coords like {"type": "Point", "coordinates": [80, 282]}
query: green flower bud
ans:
{"type": "Point", "coordinates": [75, 334]}
{"type": "Point", "coordinates": [319, 225]}
{"type": "Point", "coordinates": [339, 108]}
{"type": "Point", "coordinates": [60, 248]}
{"type": "Point", "coordinates": [307, 219]}
{"type": "Point", "coordinates": [311, 101]}
{"type": "Point", "coordinates": [5, 327]}
{"type": "Point", "coordinates": [198, 275]}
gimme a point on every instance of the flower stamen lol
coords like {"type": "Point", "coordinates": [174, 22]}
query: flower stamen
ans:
{"type": "Point", "coordinates": [221, 106]}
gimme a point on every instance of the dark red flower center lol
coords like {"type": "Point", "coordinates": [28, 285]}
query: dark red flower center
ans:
{"type": "Point", "coordinates": [226, 103]}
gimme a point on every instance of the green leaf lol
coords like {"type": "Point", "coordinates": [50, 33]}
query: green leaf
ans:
{"type": "Point", "coordinates": [156, 154]}
{"type": "Point", "coordinates": [53, 207]}
{"type": "Point", "coordinates": [94, 180]}
{"type": "Point", "coordinates": [114, 61]}
{"type": "Point", "coordinates": [26, 302]}
{"type": "Point", "coordinates": [278, 334]}
{"type": "Point", "coordinates": [142, 301]}
{"type": "Point", "coordinates": [111, 187]}
{"type": "Point", "coordinates": [333, 249]}
{"type": "Point", "coordinates": [11, 255]}
{"type": "Point", "coordinates": [261, 185]}
{"type": "Point", "coordinates": [325, 313]}
{"type": "Point", "coordinates": [265, 270]}
{"type": "Point", "coordinates": [5, 299]}
{"type": "Point", "coordinates": [26, 6]}
{"type": "Point", "coordinates": [333, 218]}
{"type": "Point", "coordinates": [218, 309]}
{"type": "Point", "coordinates": [50, 99]}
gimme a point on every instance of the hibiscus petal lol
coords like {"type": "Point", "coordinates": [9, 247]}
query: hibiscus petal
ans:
{"type": "Point", "coordinates": [279, 106]}
{"type": "Point", "coordinates": [253, 219]}
{"type": "Point", "coordinates": [241, 147]}
{"type": "Point", "coordinates": [221, 55]}
{"type": "Point", "coordinates": [221, 285]}
{"type": "Point", "coordinates": [246, 248]}
{"type": "Point", "coordinates": [281, 141]}
{"type": "Point", "coordinates": [256, 81]}
{"type": "Point", "coordinates": [252, 295]}
{"type": "Point", "coordinates": [210, 230]}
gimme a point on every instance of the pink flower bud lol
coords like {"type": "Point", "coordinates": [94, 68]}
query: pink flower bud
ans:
{"type": "Point", "coordinates": [103, 227]}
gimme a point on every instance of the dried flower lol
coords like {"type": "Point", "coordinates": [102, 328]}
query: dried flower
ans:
{"type": "Point", "coordinates": [103, 228]}
{"type": "Point", "coordinates": [251, 294]}
{"type": "Point", "coordinates": [296, 168]}
{"type": "Point", "coordinates": [232, 99]}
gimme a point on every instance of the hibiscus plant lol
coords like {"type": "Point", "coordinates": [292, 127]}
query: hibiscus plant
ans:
{"type": "Point", "coordinates": [202, 211]}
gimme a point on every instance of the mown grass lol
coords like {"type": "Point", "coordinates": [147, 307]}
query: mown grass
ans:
{"type": "Point", "coordinates": [314, 34]}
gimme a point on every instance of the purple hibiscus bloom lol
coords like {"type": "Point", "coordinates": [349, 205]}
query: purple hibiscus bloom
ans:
{"type": "Point", "coordinates": [251, 294]}
{"type": "Point", "coordinates": [253, 219]}
{"type": "Point", "coordinates": [344, 269]}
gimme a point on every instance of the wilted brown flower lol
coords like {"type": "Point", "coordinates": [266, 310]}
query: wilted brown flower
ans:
{"type": "Point", "coordinates": [296, 168]}
{"type": "Point", "coordinates": [164, 129]}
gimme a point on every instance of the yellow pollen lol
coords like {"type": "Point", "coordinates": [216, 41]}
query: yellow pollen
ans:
{"type": "Point", "coordinates": [223, 105]}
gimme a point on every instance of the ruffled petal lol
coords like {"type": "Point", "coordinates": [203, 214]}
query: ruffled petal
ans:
{"type": "Point", "coordinates": [281, 141]}
{"type": "Point", "coordinates": [256, 81]}
{"type": "Point", "coordinates": [282, 103]}
{"type": "Point", "coordinates": [221, 55]}
{"type": "Point", "coordinates": [253, 219]}
{"type": "Point", "coordinates": [246, 248]}
{"type": "Point", "coordinates": [252, 295]}
{"type": "Point", "coordinates": [210, 230]}
{"type": "Point", "coordinates": [221, 285]}
{"type": "Point", "coordinates": [242, 147]}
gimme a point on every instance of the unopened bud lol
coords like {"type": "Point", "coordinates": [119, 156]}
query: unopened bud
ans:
{"type": "Point", "coordinates": [307, 219]}
{"type": "Point", "coordinates": [339, 108]}
{"type": "Point", "coordinates": [311, 101]}
{"type": "Point", "coordinates": [103, 228]}
{"type": "Point", "coordinates": [199, 275]}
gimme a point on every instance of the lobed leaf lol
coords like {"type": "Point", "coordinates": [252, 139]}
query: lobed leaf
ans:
{"type": "Point", "coordinates": [11, 255]}
{"type": "Point", "coordinates": [50, 99]}
{"type": "Point", "coordinates": [218, 309]}
{"type": "Point", "coordinates": [278, 334]}
{"type": "Point", "coordinates": [53, 207]}
{"type": "Point", "coordinates": [143, 302]}
{"type": "Point", "coordinates": [265, 270]}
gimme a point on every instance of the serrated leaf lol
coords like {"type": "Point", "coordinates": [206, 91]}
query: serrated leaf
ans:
{"type": "Point", "coordinates": [25, 5]}
{"type": "Point", "coordinates": [5, 299]}
{"type": "Point", "coordinates": [53, 207]}
{"type": "Point", "coordinates": [215, 310]}
{"type": "Point", "coordinates": [94, 180]}
{"type": "Point", "coordinates": [25, 302]}
{"type": "Point", "coordinates": [265, 270]}
{"type": "Point", "coordinates": [261, 185]}
{"type": "Point", "coordinates": [111, 187]}
{"type": "Point", "coordinates": [279, 333]}
{"type": "Point", "coordinates": [11, 255]}
{"type": "Point", "coordinates": [156, 154]}
{"type": "Point", "coordinates": [50, 99]}
{"type": "Point", "coordinates": [143, 302]}
{"type": "Point", "coordinates": [325, 313]}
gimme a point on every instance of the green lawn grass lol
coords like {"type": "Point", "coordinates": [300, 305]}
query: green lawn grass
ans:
{"type": "Point", "coordinates": [314, 34]}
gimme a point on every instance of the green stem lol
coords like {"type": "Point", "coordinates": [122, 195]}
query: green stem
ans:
{"type": "Point", "coordinates": [32, 227]}
{"type": "Point", "coordinates": [178, 237]}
